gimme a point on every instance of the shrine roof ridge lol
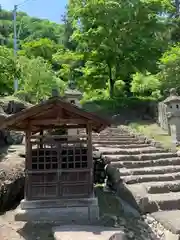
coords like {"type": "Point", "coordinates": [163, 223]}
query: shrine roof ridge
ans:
{"type": "Point", "coordinates": [45, 109]}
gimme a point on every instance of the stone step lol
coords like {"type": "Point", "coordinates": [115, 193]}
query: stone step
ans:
{"type": "Point", "coordinates": [130, 146]}
{"type": "Point", "coordinates": [87, 232]}
{"type": "Point", "coordinates": [139, 157]}
{"type": "Point", "coordinates": [151, 178]}
{"type": "Point", "coordinates": [120, 139]}
{"type": "Point", "coordinates": [111, 134]}
{"type": "Point", "coordinates": [164, 201]}
{"type": "Point", "coordinates": [170, 220]}
{"type": "Point", "coordinates": [129, 151]}
{"type": "Point", "coordinates": [146, 163]}
{"type": "Point", "coordinates": [162, 187]}
{"type": "Point", "coordinates": [116, 129]}
{"type": "Point", "coordinates": [119, 142]}
{"type": "Point", "coordinates": [150, 170]}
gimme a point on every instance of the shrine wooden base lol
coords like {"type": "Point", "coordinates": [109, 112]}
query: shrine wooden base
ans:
{"type": "Point", "coordinates": [66, 211]}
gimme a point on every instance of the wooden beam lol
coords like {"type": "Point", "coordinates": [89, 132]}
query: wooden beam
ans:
{"type": "Point", "coordinates": [57, 122]}
{"type": "Point", "coordinates": [28, 161]}
{"type": "Point", "coordinates": [90, 156]}
{"type": "Point", "coordinates": [62, 126]}
{"type": "Point", "coordinates": [56, 136]}
{"type": "Point", "coordinates": [53, 111]}
{"type": "Point", "coordinates": [52, 141]}
{"type": "Point", "coordinates": [24, 114]}
{"type": "Point", "coordinates": [79, 112]}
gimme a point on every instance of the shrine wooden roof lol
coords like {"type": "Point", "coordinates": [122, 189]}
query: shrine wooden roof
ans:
{"type": "Point", "coordinates": [51, 113]}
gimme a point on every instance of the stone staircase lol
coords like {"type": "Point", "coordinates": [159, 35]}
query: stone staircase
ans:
{"type": "Point", "coordinates": [150, 172]}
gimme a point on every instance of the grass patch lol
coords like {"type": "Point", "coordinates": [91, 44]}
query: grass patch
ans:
{"type": "Point", "coordinates": [153, 131]}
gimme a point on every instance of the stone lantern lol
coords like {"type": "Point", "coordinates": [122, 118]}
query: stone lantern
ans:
{"type": "Point", "coordinates": [173, 114]}
{"type": "Point", "coordinates": [73, 96]}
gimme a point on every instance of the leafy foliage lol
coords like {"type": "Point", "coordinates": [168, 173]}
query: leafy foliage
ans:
{"type": "Point", "coordinates": [112, 49]}
{"type": "Point", "coordinates": [170, 69]}
{"type": "Point", "coordinates": [29, 28]}
{"type": "Point", "coordinates": [43, 47]}
{"type": "Point", "coordinates": [7, 70]}
{"type": "Point", "coordinates": [119, 34]}
{"type": "Point", "coordinates": [37, 78]}
{"type": "Point", "coordinates": [144, 84]}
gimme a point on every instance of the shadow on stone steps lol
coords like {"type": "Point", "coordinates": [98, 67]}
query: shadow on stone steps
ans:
{"type": "Point", "coordinates": [117, 213]}
{"type": "Point", "coordinates": [116, 184]}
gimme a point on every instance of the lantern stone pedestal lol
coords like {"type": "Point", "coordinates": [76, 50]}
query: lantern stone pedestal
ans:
{"type": "Point", "coordinates": [66, 211]}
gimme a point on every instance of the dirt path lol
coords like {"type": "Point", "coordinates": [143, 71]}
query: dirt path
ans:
{"type": "Point", "coordinates": [12, 230]}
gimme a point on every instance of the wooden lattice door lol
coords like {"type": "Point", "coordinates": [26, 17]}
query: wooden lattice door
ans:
{"type": "Point", "coordinates": [59, 171]}
{"type": "Point", "coordinates": [43, 174]}
{"type": "Point", "coordinates": [75, 172]}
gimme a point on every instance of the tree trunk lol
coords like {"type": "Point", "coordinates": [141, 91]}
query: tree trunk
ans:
{"type": "Point", "coordinates": [177, 5]}
{"type": "Point", "coordinates": [127, 87]}
{"type": "Point", "coordinates": [111, 82]}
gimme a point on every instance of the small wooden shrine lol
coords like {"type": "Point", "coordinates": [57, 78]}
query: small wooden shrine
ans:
{"type": "Point", "coordinates": [56, 167]}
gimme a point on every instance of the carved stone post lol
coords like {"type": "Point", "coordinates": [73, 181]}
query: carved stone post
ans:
{"type": "Point", "coordinates": [173, 115]}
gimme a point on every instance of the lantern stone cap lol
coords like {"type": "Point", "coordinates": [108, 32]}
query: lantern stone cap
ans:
{"type": "Point", "coordinates": [73, 92]}
{"type": "Point", "coordinates": [173, 97]}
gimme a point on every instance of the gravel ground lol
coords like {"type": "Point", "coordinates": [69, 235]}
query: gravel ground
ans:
{"type": "Point", "coordinates": [145, 228]}
{"type": "Point", "coordinates": [12, 230]}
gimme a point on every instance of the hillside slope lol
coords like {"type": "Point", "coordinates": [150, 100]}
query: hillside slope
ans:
{"type": "Point", "coordinates": [29, 28]}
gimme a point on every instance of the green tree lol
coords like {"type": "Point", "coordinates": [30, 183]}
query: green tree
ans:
{"type": "Point", "coordinates": [37, 78]}
{"type": "Point", "coordinates": [68, 63]}
{"type": "Point", "coordinates": [170, 69]}
{"type": "Point", "coordinates": [8, 70]}
{"type": "Point", "coordinates": [43, 47]}
{"type": "Point", "coordinates": [28, 28]}
{"type": "Point", "coordinates": [125, 37]}
{"type": "Point", "coordinates": [144, 84]}
{"type": "Point", "coordinates": [68, 31]}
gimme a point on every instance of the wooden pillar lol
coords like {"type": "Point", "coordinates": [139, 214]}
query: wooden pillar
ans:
{"type": "Point", "coordinates": [90, 156]}
{"type": "Point", "coordinates": [27, 163]}
{"type": "Point", "coordinates": [41, 135]}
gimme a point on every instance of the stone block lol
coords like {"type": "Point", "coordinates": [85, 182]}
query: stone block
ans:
{"type": "Point", "coordinates": [87, 232]}
{"type": "Point", "coordinates": [84, 214]}
{"type": "Point", "coordinates": [58, 203]}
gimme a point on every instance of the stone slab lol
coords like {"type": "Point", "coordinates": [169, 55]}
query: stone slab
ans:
{"type": "Point", "coordinates": [56, 203]}
{"type": "Point", "coordinates": [66, 215]}
{"type": "Point", "coordinates": [72, 232]}
{"type": "Point", "coordinates": [169, 219]}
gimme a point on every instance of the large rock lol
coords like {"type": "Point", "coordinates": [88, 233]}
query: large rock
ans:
{"type": "Point", "coordinates": [13, 137]}
{"type": "Point", "coordinates": [7, 107]}
{"type": "Point", "coordinates": [115, 183]}
{"type": "Point", "coordinates": [11, 181]}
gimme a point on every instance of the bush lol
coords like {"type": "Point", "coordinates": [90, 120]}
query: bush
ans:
{"type": "Point", "coordinates": [144, 84]}
{"type": "Point", "coordinates": [112, 106]}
